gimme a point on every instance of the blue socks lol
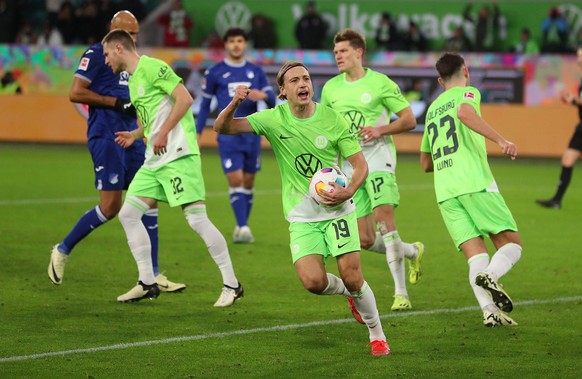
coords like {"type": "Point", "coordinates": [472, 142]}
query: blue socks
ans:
{"type": "Point", "coordinates": [91, 220]}
{"type": "Point", "coordinates": [150, 220]}
{"type": "Point", "coordinates": [239, 205]}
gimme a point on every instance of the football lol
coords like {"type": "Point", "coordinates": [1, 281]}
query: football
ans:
{"type": "Point", "coordinates": [321, 179]}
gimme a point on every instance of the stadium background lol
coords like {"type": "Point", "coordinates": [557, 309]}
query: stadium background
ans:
{"type": "Point", "coordinates": [519, 92]}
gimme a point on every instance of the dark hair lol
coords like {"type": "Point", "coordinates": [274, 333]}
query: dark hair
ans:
{"type": "Point", "coordinates": [281, 75]}
{"type": "Point", "coordinates": [449, 64]}
{"type": "Point", "coordinates": [235, 32]}
{"type": "Point", "coordinates": [355, 39]}
{"type": "Point", "coordinates": [120, 36]}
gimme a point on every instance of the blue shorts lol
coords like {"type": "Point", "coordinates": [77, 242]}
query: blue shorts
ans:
{"type": "Point", "coordinates": [235, 155]}
{"type": "Point", "coordinates": [115, 166]}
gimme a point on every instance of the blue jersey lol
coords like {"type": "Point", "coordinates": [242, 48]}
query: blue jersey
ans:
{"type": "Point", "coordinates": [221, 81]}
{"type": "Point", "coordinates": [104, 122]}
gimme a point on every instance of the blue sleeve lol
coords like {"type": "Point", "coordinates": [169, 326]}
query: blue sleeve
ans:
{"type": "Point", "coordinates": [90, 64]}
{"type": "Point", "coordinates": [208, 90]}
{"type": "Point", "coordinates": [268, 89]}
{"type": "Point", "coordinates": [203, 114]}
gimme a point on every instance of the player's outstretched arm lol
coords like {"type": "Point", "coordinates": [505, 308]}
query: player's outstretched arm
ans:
{"type": "Point", "coordinates": [226, 123]}
{"type": "Point", "coordinates": [469, 117]}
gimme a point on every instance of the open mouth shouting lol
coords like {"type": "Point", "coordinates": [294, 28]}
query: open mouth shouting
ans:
{"type": "Point", "coordinates": [303, 95]}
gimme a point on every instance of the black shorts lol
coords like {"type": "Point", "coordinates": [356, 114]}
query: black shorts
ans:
{"type": "Point", "coordinates": [576, 140]}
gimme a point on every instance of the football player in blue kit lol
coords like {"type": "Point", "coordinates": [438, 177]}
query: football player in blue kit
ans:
{"type": "Point", "coordinates": [240, 154]}
{"type": "Point", "coordinates": [110, 111]}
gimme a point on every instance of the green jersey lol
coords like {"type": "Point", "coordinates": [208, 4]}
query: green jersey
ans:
{"type": "Point", "coordinates": [458, 153]}
{"type": "Point", "coordinates": [369, 101]}
{"type": "Point", "coordinates": [150, 89]}
{"type": "Point", "coordinates": [302, 147]}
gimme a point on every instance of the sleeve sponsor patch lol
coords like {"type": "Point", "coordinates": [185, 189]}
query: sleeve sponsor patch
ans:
{"type": "Point", "coordinates": [469, 96]}
{"type": "Point", "coordinates": [84, 64]}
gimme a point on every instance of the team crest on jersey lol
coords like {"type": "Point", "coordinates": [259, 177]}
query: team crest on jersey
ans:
{"type": "Point", "coordinates": [84, 64]}
{"type": "Point", "coordinates": [366, 98]}
{"type": "Point", "coordinates": [320, 142]}
{"type": "Point", "coordinates": [140, 91]}
{"type": "Point", "coordinates": [469, 96]}
{"type": "Point", "coordinates": [250, 75]}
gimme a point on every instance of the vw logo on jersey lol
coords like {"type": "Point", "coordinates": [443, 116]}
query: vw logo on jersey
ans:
{"type": "Point", "coordinates": [307, 164]}
{"type": "Point", "coordinates": [320, 142]}
{"type": "Point", "coordinates": [250, 75]}
{"type": "Point", "coordinates": [366, 98]}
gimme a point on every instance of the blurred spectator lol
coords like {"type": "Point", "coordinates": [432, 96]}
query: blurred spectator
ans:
{"type": "Point", "coordinates": [484, 28]}
{"type": "Point", "coordinates": [458, 41]}
{"type": "Point", "coordinates": [26, 35]}
{"type": "Point", "coordinates": [555, 32]}
{"type": "Point", "coordinates": [50, 36]}
{"type": "Point", "coordinates": [414, 40]}
{"type": "Point", "coordinates": [310, 29]}
{"type": "Point", "coordinates": [136, 7]}
{"type": "Point", "coordinates": [263, 32]}
{"type": "Point", "coordinates": [52, 9]}
{"type": "Point", "coordinates": [177, 25]}
{"type": "Point", "coordinates": [66, 23]}
{"type": "Point", "coordinates": [526, 44]}
{"type": "Point", "coordinates": [90, 29]}
{"type": "Point", "coordinates": [107, 10]}
{"type": "Point", "coordinates": [415, 92]}
{"type": "Point", "coordinates": [9, 85]}
{"type": "Point", "coordinates": [9, 21]}
{"type": "Point", "coordinates": [387, 37]}
{"type": "Point", "coordinates": [213, 41]}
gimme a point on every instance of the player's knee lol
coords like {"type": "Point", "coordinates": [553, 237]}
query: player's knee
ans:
{"type": "Point", "coordinates": [314, 285]}
{"type": "Point", "coordinates": [110, 210]}
{"type": "Point", "coordinates": [129, 214]}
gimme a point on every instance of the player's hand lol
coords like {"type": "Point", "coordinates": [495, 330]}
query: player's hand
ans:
{"type": "Point", "coordinates": [240, 94]}
{"type": "Point", "coordinates": [369, 133]}
{"type": "Point", "coordinates": [124, 139]}
{"type": "Point", "coordinates": [338, 196]}
{"type": "Point", "coordinates": [125, 106]}
{"type": "Point", "coordinates": [256, 95]}
{"type": "Point", "coordinates": [160, 144]}
{"type": "Point", "coordinates": [509, 148]}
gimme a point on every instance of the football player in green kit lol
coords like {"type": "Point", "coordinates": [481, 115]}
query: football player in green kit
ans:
{"type": "Point", "coordinates": [366, 99]}
{"type": "Point", "coordinates": [306, 137]}
{"type": "Point", "coordinates": [453, 147]}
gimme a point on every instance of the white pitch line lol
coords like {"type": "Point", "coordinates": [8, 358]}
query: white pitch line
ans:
{"type": "Point", "coordinates": [268, 330]}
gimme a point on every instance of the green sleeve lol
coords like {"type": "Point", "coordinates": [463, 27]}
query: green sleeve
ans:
{"type": "Point", "coordinates": [472, 96]}
{"type": "Point", "coordinates": [392, 97]}
{"type": "Point", "coordinates": [259, 121]}
{"type": "Point", "coordinates": [163, 77]}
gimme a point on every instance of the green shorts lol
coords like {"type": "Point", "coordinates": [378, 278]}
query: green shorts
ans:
{"type": "Point", "coordinates": [380, 188]}
{"type": "Point", "coordinates": [176, 183]}
{"type": "Point", "coordinates": [328, 238]}
{"type": "Point", "coordinates": [476, 215]}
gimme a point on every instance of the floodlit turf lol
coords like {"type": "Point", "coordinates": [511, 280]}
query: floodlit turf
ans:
{"type": "Point", "coordinates": [277, 330]}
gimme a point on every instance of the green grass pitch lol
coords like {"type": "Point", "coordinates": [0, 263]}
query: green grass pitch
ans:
{"type": "Point", "coordinates": [278, 330]}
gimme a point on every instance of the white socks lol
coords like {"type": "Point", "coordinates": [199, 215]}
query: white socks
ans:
{"type": "Point", "coordinates": [138, 239]}
{"type": "Point", "coordinates": [395, 259]}
{"type": "Point", "coordinates": [365, 303]}
{"type": "Point", "coordinates": [335, 286]}
{"type": "Point", "coordinates": [214, 240]}
{"type": "Point", "coordinates": [504, 259]}
{"type": "Point", "coordinates": [477, 264]}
